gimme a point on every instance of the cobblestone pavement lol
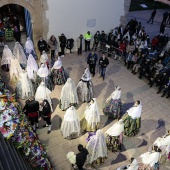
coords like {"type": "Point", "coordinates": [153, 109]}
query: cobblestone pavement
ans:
{"type": "Point", "coordinates": [155, 113]}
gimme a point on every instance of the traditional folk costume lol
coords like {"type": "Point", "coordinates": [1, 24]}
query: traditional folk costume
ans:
{"type": "Point", "coordinates": [43, 75]}
{"type": "Point", "coordinates": [132, 166]}
{"type": "Point", "coordinates": [114, 139]}
{"type": "Point", "coordinates": [85, 87]}
{"type": "Point", "coordinates": [163, 143]}
{"type": "Point", "coordinates": [29, 48]}
{"type": "Point", "coordinates": [57, 73]}
{"type": "Point", "coordinates": [70, 126]}
{"type": "Point", "coordinates": [113, 105]}
{"type": "Point", "coordinates": [91, 120]}
{"type": "Point", "coordinates": [43, 93]}
{"type": "Point", "coordinates": [6, 58]}
{"type": "Point", "coordinates": [31, 109]}
{"type": "Point", "coordinates": [68, 95]}
{"type": "Point", "coordinates": [44, 60]}
{"type": "Point", "coordinates": [15, 70]}
{"type": "Point", "coordinates": [149, 160]}
{"type": "Point", "coordinates": [45, 113]}
{"type": "Point", "coordinates": [24, 89]}
{"type": "Point", "coordinates": [97, 149]}
{"type": "Point", "coordinates": [32, 68]}
{"type": "Point", "coordinates": [132, 120]}
{"type": "Point", "coordinates": [18, 51]}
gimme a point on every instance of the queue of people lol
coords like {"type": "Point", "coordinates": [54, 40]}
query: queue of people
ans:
{"type": "Point", "coordinates": [35, 81]}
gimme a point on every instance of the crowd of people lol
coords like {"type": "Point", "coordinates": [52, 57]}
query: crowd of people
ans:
{"type": "Point", "coordinates": [34, 81]}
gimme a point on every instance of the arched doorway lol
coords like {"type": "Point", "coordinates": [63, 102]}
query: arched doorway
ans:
{"type": "Point", "coordinates": [37, 14]}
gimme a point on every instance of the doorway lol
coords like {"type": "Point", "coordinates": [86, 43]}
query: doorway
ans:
{"type": "Point", "coordinates": [18, 18]}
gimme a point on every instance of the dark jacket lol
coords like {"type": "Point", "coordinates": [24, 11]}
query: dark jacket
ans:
{"type": "Point", "coordinates": [81, 158]}
{"type": "Point", "coordinates": [103, 63]}
{"type": "Point", "coordinates": [42, 45]}
{"type": "Point", "coordinates": [92, 59]}
{"type": "Point", "coordinates": [63, 41]}
{"type": "Point", "coordinates": [31, 107]}
{"type": "Point", "coordinates": [46, 111]}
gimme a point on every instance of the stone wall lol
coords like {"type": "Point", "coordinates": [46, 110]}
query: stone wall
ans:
{"type": "Point", "coordinates": [123, 19]}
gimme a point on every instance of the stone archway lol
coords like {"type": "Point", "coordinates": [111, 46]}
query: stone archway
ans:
{"type": "Point", "coordinates": [37, 11]}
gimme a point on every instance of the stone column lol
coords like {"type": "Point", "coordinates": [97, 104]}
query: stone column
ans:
{"type": "Point", "coordinates": [123, 19]}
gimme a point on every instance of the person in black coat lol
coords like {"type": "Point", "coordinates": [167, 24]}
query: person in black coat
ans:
{"type": "Point", "coordinates": [91, 61]}
{"type": "Point", "coordinates": [42, 45]}
{"type": "Point", "coordinates": [45, 113]}
{"type": "Point", "coordinates": [162, 27]}
{"type": "Point", "coordinates": [70, 44]}
{"type": "Point", "coordinates": [81, 157]}
{"type": "Point", "coordinates": [144, 70]}
{"type": "Point", "coordinates": [163, 82]}
{"type": "Point", "coordinates": [63, 41]}
{"type": "Point", "coordinates": [152, 16]}
{"type": "Point", "coordinates": [31, 110]}
{"type": "Point", "coordinates": [103, 63]}
{"type": "Point", "coordinates": [166, 89]}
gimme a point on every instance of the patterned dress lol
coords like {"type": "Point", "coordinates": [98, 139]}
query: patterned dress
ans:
{"type": "Point", "coordinates": [58, 76]}
{"type": "Point", "coordinates": [132, 126]}
{"type": "Point", "coordinates": [113, 108]}
{"type": "Point", "coordinates": [85, 90]}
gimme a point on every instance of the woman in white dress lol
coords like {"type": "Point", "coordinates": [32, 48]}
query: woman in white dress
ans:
{"type": "Point", "coordinates": [114, 139]}
{"type": "Point", "coordinates": [32, 68]}
{"type": "Point", "coordinates": [132, 166]}
{"type": "Point", "coordinates": [44, 60]}
{"type": "Point", "coordinates": [57, 73]}
{"type": "Point", "coordinates": [29, 48]}
{"type": "Point", "coordinates": [18, 51]}
{"type": "Point", "coordinates": [150, 160]}
{"type": "Point", "coordinates": [113, 105]}
{"type": "Point", "coordinates": [68, 95]}
{"type": "Point", "coordinates": [91, 118]}
{"type": "Point", "coordinates": [43, 75]}
{"type": "Point", "coordinates": [70, 126]}
{"type": "Point", "coordinates": [24, 88]}
{"type": "Point", "coordinates": [163, 143]}
{"type": "Point", "coordinates": [85, 87]}
{"type": "Point", "coordinates": [6, 58]}
{"type": "Point", "coordinates": [132, 120]}
{"type": "Point", "coordinates": [97, 149]}
{"type": "Point", "coordinates": [15, 70]}
{"type": "Point", "coordinates": [43, 93]}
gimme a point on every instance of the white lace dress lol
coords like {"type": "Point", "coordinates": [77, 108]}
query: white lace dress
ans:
{"type": "Point", "coordinates": [70, 126]}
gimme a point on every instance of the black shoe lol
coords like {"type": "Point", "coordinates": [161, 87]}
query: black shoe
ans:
{"type": "Point", "coordinates": [49, 131]}
{"type": "Point", "coordinates": [167, 97]}
{"type": "Point", "coordinates": [139, 77]}
{"type": "Point", "coordinates": [163, 95]}
{"type": "Point", "coordinates": [158, 92]}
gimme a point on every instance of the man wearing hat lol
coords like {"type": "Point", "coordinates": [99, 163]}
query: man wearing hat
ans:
{"type": "Point", "coordinates": [87, 38]}
{"type": "Point", "coordinates": [45, 113]}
